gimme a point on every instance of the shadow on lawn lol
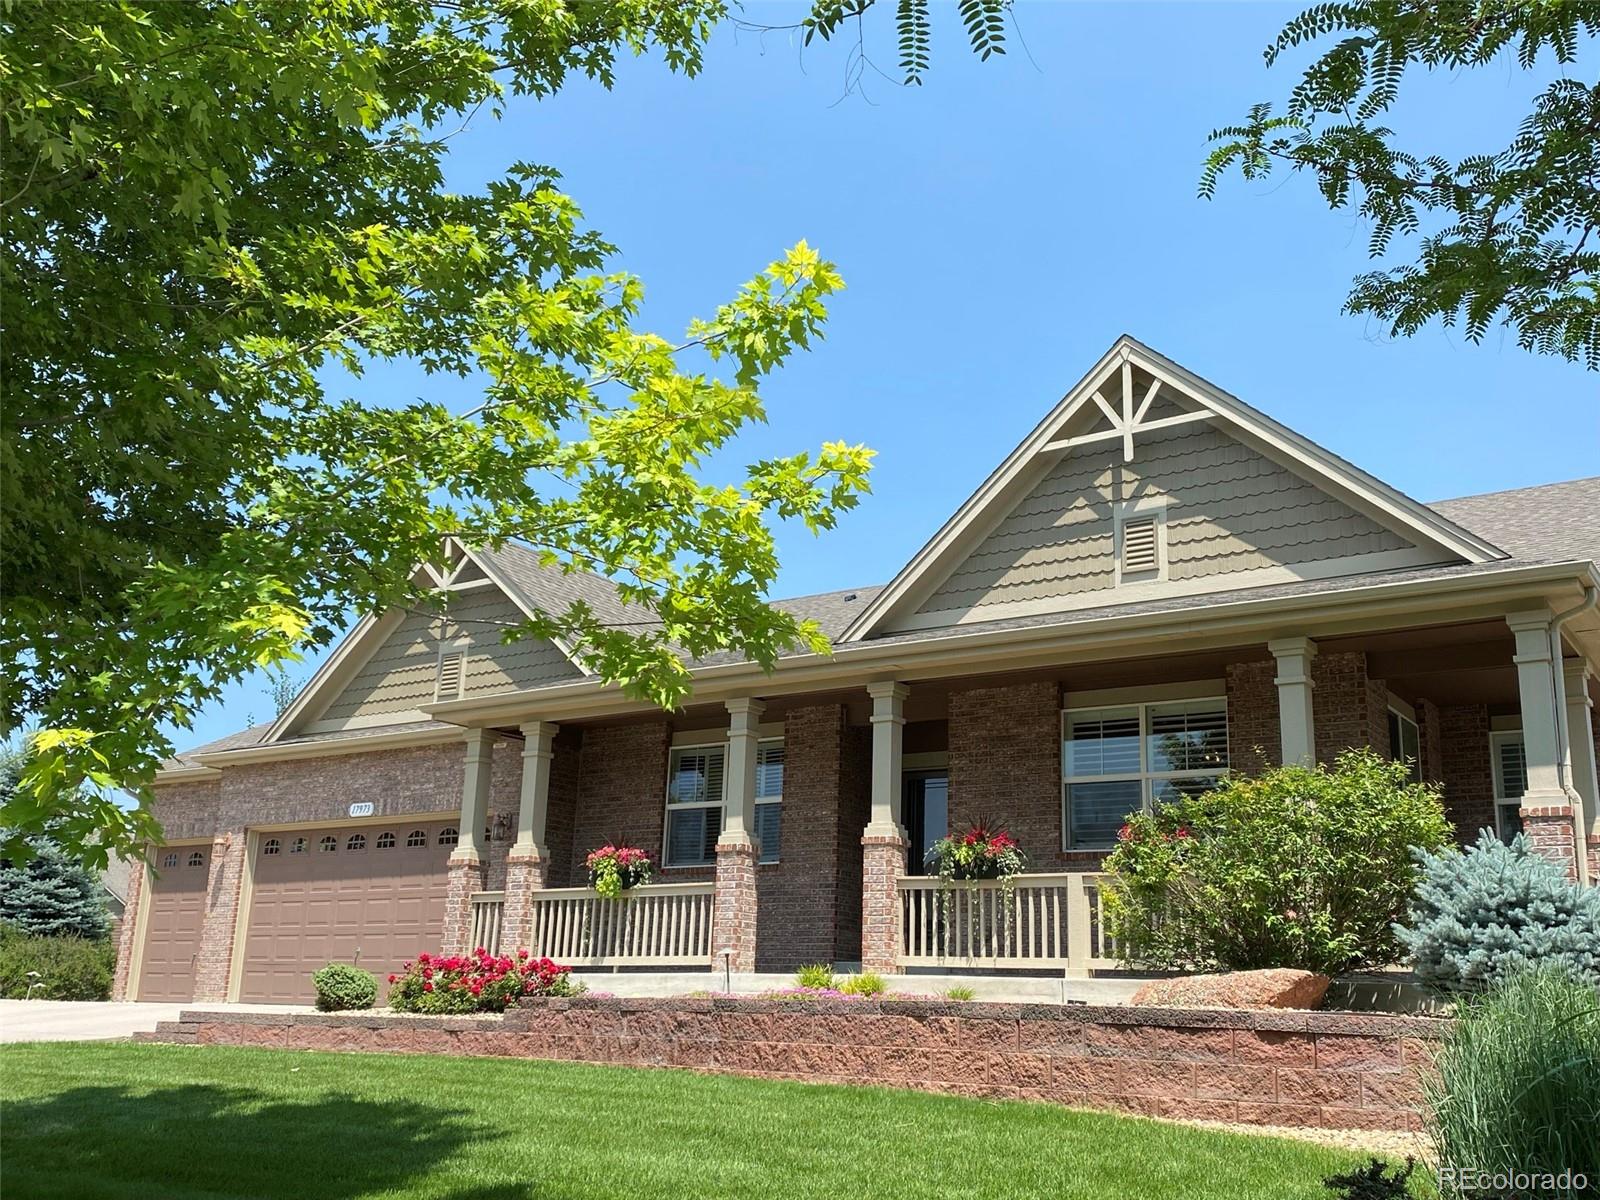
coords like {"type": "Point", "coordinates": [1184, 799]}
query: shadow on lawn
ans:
{"type": "Point", "coordinates": [225, 1141]}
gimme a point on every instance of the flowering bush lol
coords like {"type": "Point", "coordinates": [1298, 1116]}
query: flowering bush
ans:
{"type": "Point", "coordinates": [614, 869]}
{"type": "Point", "coordinates": [1307, 868]}
{"type": "Point", "coordinates": [476, 982]}
{"type": "Point", "coordinates": [981, 852]}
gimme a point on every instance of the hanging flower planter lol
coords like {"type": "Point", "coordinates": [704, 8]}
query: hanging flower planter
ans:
{"type": "Point", "coordinates": [613, 870]}
{"type": "Point", "coordinates": [985, 851]}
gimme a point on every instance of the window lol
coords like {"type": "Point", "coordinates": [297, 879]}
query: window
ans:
{"type": "Point", "coordinates": [1123, 759]}
{"type": "Point", "coordinates": [386, 841]}
{"type": "Point", "coordinates": [1510, 781]}
{"type": "Point", "coordinates": [1141, 540]}
{"type": "Point", "coordinates": [197, 859]}
{"type": "Point", "coordinates": [328, 844]}
{"type": "Point", "coordinates": [171, 860]}
{"type": "Point", "coordinates": [1404, 744]}
{"type": "Point", "coordinates": [695, 794]}
{"type": "Point", "coordinates": [416, 838]}
{"type": "Point", "coordinates": [272, 846]}
{"type": "Point", "coordinates": [357, 841]}
{"type": "Point", "coordinates": [769, 799]}
{"type": "Point", "coordinates": [299, 846]}
{"type": "Point", "coordinates": [448, 836]}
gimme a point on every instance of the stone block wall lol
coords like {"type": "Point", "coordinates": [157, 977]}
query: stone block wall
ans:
{"type": "Point", "coordinates": [1313, 1070]}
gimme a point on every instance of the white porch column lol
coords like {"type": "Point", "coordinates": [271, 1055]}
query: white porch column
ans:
{"type": "Point", "coordinates": [469, 859]}
{"type": "Point", "coordinates": [888, 740]}
{"type": "Point", "coordinates": [1585, 776]}
{"type": "Point", "coordinates": [1296, 719]}
{"type": "Point", "coordinates": [883, 842]}
{"type": "Point", "coordinates": [475, 796]}
{"type": "Point", "coordinates": [1547, 810]}
{"type": "Point", "coordinates": [538, 752]}
{"type": "Point", "coordinates": [744, 736]}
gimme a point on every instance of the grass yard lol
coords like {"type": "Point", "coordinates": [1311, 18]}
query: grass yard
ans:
{"type": "Point", "coordinates": [111, 1120]}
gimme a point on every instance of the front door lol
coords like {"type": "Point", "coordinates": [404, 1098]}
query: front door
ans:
{"type": "Point", "coordinates": [925, 800]}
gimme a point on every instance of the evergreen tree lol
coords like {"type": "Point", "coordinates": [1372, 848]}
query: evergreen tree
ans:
{"type": "Point", "coordinates": [50, 894]}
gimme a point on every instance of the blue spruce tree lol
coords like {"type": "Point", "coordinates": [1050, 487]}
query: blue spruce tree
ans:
{"type": "Point", "coordinates": [49, 894]}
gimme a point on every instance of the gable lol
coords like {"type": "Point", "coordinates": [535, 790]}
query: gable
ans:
{"type": "Point", "coordinates": [1147, 482]}
{"type": "Point", "coordinates": [1231, 514]}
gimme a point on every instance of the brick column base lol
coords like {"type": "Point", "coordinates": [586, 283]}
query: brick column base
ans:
{"type": "Point", "coordinates": [1594, 860]}
{"type": "Point", "coordinates": [883, 859]}
{"type": "Point", "coordinates": [525, 875]}
{"type": "Point", "coordinates": [467, 875]}
{"type": "Point", "coordinates": [1549, 831]}
{"type": "Point", "coordinates": [733, 911]}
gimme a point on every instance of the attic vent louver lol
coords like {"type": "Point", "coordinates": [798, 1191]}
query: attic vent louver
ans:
{"type": "Point", "coordinates": [451, 664]}
{"type": "Point", "coordinates": [1139, 549]}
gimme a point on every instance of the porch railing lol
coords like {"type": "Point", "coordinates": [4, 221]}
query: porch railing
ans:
{"type": "Point", "coordinates": [488, 911]}
{"type": "Point", "coordinates": [1046, 921]}
{"type": "Point", "coordinates": [657, 925]}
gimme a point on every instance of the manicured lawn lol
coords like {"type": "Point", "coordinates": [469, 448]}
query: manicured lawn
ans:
{"type": "Point", "coordinates": [121, 1120]}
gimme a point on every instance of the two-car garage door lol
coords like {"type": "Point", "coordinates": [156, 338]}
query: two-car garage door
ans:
{"type": "Point", "coordinates": [373, 895]}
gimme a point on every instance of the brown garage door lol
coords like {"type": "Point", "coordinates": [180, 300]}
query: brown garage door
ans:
{"type": "Point", "coordinates": [172, 930]}
{"type": "Point", "coordinates": [372, 895]}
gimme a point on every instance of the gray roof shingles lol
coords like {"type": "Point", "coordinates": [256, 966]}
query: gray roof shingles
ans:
{"type": "Point", "coordinates": [1551, 523]}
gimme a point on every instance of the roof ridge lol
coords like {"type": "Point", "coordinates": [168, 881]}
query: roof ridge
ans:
{"type": "Point", "coordinates": [1531, 487]}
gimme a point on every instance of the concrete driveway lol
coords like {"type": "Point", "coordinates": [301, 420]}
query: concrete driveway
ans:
{"type": "Point", "coordinates": [87, 1021]}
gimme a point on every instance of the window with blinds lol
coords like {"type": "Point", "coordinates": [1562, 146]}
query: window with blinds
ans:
{"type": "Point", "coordinates": [697, 798]}
{"type": "Point", "coordinates": [1510, 762]}
{"type": "Point", "coordinates": [1121, 760]}
{"type": "Point", "coordinates": [769, 799]}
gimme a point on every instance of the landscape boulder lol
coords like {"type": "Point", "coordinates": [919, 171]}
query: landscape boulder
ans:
{"type": "Point", "coordinates": [1273, 988]}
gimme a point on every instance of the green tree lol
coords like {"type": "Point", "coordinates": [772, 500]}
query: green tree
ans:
{"type": "Point", "coordinates": [49, 894]}
{"type": "Point", "coordinates": [1508, 236]}
{"type": "Point", "coordinates": [207, 206]}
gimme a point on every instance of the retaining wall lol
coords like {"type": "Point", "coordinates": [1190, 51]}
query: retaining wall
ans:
{"type": "Point", "coordinates": [1330, 1070]}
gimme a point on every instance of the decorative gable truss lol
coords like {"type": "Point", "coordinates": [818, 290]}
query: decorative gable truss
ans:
{"type": "Point", "coordinates": [1146, 482]}
{"type": "Point", "coordinates": [391, 665]}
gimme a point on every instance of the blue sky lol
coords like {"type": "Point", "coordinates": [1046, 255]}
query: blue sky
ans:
{"type": "Point", "coordinates": [997, 229]}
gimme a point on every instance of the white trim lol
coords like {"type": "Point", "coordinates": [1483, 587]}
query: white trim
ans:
{"type": "Point", "coordinates": [1041, 449]}
{"type": "Point", "coordinates": [718, 735]}
{"type": "Point", "coordinates": [1117, 697]}
{"type": "Point", "coordinates": [1145, 777]}
{"type": "Point", "coordinates": [1142, 589]}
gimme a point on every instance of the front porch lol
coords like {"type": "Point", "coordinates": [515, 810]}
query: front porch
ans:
{"type": "Point", "coordinates": [790, 828]}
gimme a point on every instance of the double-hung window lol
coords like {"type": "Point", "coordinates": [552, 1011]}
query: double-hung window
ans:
{"type": "Point", "coordinates": [1124, 759]}
{"type": "Point", "coordinates": [697, 796]}
{"type": "Point", "coordinates": [1510, 780]}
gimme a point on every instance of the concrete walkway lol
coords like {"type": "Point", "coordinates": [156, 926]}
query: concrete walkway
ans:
{"type": "Point", "coordinates": [90, 1021]}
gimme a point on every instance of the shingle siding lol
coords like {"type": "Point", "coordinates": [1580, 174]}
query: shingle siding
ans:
{"type": "Point", "coordinates": [401, 675]}
{"type": "Point", "coordinates": [1229, 509]}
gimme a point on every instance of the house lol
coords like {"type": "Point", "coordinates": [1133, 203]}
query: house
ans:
{"type": "Point", "coordinates": [1160, 584]}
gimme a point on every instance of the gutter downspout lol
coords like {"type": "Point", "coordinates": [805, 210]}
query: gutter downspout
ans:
{"type": "Point", "coordinates": [1580, 816]}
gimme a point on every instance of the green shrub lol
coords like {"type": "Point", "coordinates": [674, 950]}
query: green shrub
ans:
{"type": "Point", "coordinates": [1483, 916]}
{"type": "Point", "coordinates": [1517, 1086]}
{"type": "Point", "coordinates": [69, 968]}
{"type": "Point", "coordinates": [341, 986]}
{"type": "Point", "coordinates": [815, 975]}
{"type": "Point", "coordinates": [1302, 867]}
{"type": "Point", "coordinates": [867, 983]}
{"type": "Point", "coordinates": [960, 992]}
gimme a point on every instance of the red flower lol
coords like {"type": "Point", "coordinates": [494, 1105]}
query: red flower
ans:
{"type": "Point", "coordinates": [1125, 833]}
{"type": "Point", "coordinates": [1182, 833]}
{"type": "Point", "coordinates": [427, 987]}
{"type": "Point", "coordinates": [392, 978]}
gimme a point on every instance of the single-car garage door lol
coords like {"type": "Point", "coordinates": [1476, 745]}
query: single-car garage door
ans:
{"type": "Point", "coordinates": [172, 930]}
{"type": "Point", "coordinates": [372, 895]}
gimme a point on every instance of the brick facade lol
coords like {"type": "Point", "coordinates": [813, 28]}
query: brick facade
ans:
{"type": "Point", "coordinates": [1430, 743]}
{"type": "Point", "coordinates": [734, 916]}
{"type": "Point", "coordinates": [1549, 831]}
{"type": "Point", "coordinates": [621, 794]}
{"type": "Point", "coordinates": [1005, 763]}
{"type": "Point", "coordinates": [1254, 739]}
{"type": "Point", "coordinates": [1467, 775]}
{"type": "Point", "coordinates": [1313, 1070]}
